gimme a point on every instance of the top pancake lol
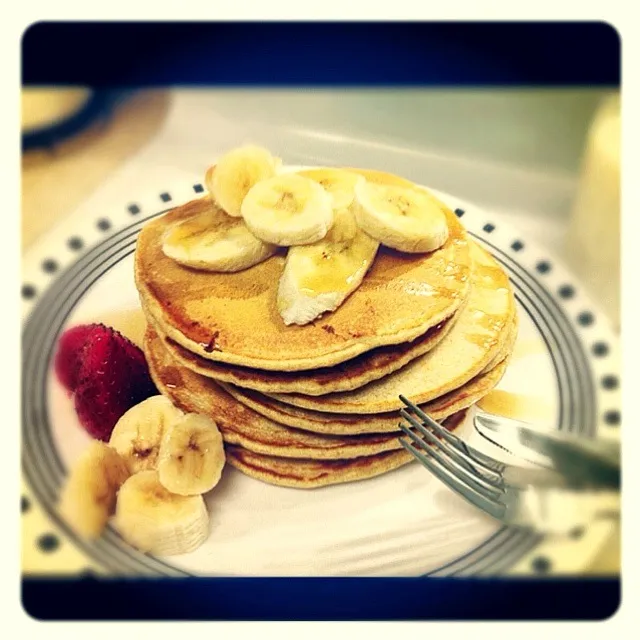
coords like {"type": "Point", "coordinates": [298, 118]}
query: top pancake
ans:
{"type": "Point", "coordinates": [233, 318]}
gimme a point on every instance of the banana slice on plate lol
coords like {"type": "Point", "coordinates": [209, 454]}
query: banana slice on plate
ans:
{"type": "Point", "coordinates": [156, 521]}
{"type": "Point", "coordinates": [191, 456]}
{"type": "Point", "coordinates": [403, 218]}
{"type": "Point", "coordinates": [319, 277]}
{"type": "Point", "coordinates": [236, 172]}
{"type": "Point", "coordinates": [338, 182]}
{"type": "Point", "coordinates": [213, 241]}
{"type": "Point", "coordinates": [288, 210]}
{"type": "Point", "coordinates": [89, 493]}
{"type": "Point", "coordinates": [139, 432]}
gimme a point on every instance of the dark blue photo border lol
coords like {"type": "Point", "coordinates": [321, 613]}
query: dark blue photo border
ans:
{"type": "Point", "coordinates": [321, 53]}
{"type": "Point", "coordinates": [320, 599]}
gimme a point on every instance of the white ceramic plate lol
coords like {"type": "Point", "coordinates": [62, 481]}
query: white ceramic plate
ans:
{"type": "Point", "coordinates": [404, 523]}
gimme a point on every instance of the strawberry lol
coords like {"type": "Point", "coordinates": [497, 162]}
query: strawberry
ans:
{"type": "Point", "coordinates": [113, 377]}
{"type": "Point", "coordinates": [69, 355]}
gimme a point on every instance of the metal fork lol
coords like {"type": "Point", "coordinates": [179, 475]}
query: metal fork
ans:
{"type": "Point", "coordinates": [548, 499]}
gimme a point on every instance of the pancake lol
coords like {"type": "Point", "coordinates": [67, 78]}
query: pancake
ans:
{"type": "Point", "coordinates": [302, 473]}
{"type": "Point", "coordinates": [508, 346]}
{"type": "Point", "coordinates": [349, 375]}
{"type": "Point", "coordinates": [348, 423]}
{"type": "Point", "coordinates": [243, 426]}
{"type": "Point", "coordinates": [232, 317]}
{"type": "Point", "coordinates": [477, 337]}
{"type": "Point", "coordinates": [310, 474]}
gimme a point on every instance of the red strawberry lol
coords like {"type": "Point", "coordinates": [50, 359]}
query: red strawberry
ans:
{"type": "Point", "coordinates": [69, 355]}
{"type": "Point", "coordinates": [113, 378]}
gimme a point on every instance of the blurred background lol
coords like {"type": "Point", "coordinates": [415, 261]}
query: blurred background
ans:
{"type": "Point", "coordinates": [547, 159]}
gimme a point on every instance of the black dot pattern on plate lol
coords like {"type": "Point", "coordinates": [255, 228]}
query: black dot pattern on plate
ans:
{"type": "Point", "coordinates": [517, 245]}
{"type": "Point", "coordinates": [610, 382]}
{"type": "Point", "coordinates": [198, 188]}
{"type": "Point", "coordinates": [50, 266]}
{"type": "Point", "coordinates": [25, 504]}
{"type": "Point", "coordinates": [165, 197]}
{"type": "Point", "coordinates": [48, 542]}
{"type": "Point", "coordinates": [75, 243]}
{"type": "Point", "coordinates": [585, 319]}
{"type": "Point", "coordinates": [612, 418]}
{"type": "Point", "coordinates": [28, 291]}
{"type": "Point", "coordinates": [566, 291]}
{"type": "Point", "coordinates": [541, 564]}
{"type": "Point", "coordinates": [488, 228]}
{"type": "Point", "coordinates": [459, 212]}
{"type": "Point", "coordinates": [133, 209]}
{"type": "Point", "coordinates": [600, 349]}
{"type": "Point", "coordinates": [104, 224]}
{"type": "Point", "coordinates": [543, 267]}
{"type": "Point", "coordinates": [576, 533]}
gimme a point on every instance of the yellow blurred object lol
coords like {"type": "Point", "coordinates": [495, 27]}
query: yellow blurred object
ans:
{"type": "Point", "coordinates": [46, 106]}
{"type": "Point", "coordinates": [593, 240]}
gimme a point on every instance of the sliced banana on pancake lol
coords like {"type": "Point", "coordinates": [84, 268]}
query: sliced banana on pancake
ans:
{"type": "Point", "coordinates": [406, 219]}
{"type": "Point", "coordinates": [319, 277]}
{"type": "Point", "coordinates": [288, 210]}
{"type": "Point", "coordinates": [236, 172]}
{"type": "Point", "coordinates": [338, 182]}
{"type": "Point", "coordinates": [214, 241]}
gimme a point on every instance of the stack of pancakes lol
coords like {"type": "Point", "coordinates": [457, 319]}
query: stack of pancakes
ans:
{"type": "Point", "coordinates": [307, 406]}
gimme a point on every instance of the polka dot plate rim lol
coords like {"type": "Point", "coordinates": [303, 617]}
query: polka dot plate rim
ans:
{"type": "Point", "coordinates": [587, 341]}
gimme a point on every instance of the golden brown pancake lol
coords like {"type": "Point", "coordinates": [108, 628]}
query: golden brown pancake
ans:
{"type": "Point", "coordinates": [354, 373]}
{"type": "Point", "coordinates": [508, 346]}
{"type": "Point", "coordinates": [233, 318]}
{"type": "Point", "coordinates": [477, 337]}
{"type": "Point", "coordinates": [310, 474]}
{"type": "Point", "coordinates": [303, 473]}
{"type": "Point", "coordinates": [243, 426]}
{"type": "Point", "coordinates": [349, 423]}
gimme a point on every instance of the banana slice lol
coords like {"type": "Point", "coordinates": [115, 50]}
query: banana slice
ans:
{"type": "Point", "coordinates": [236, 172]}
{"type": "Point", "coordinates": [319, 277]}
{"type": "Point", "coordinates": [139, 432]}
{"type": "Point", "coordinates": [405, 219]}
{"type": "Point", "coordinates": [338, 182]}
{"type": "Point", "coordinates": [213, 241]}
{"type": "Point", "coordinates": [288, 210]}
{"type": "Point", "coordinates": [89, 494]}
{"type": "Point", "coordinates": [156, 521]}
{"type": "Point", "coordinates": [191, 456]}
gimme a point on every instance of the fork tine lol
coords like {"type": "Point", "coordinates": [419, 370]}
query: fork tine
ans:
{"type": "Point", "coordinates": [463, 475]}
{"type": "Point", "coordinates": [460, 459]}
{"type": "Point", "coordinates": [491, 507]}
{"type": "Point", "coordinates": [477, 456]}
